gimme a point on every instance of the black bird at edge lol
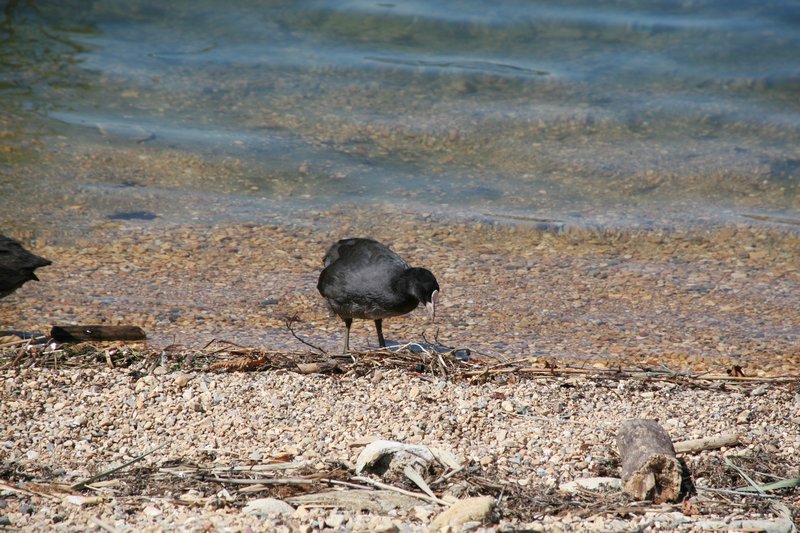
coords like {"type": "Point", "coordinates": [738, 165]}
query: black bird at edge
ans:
{"type": "Point", "coordinates": [16, 266]}
{"type": "Point", "coordinates": [364, 279]}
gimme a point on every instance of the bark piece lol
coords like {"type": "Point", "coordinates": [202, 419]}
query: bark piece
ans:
{"type": "Point", "coordinates": [650, 470]}
{"type": "Point", "coordinates": [97, 333]}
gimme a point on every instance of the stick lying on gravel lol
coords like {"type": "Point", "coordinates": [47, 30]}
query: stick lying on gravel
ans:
{"type": "Point", "coordinates": [386, 486]}
{"type": "Point", "coordinates": [97, 477]}
{"type": "Point", "coordinates": [707, 443]}
{"type": "Point", "coordinates": [97, 333]}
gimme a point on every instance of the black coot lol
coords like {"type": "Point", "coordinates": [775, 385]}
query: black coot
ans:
{"type": "Point", "coordinates": [16, 265]}
{"type": "Point", "coordinates": [364, 279]}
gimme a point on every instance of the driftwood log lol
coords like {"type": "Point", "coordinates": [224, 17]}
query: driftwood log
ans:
{"type": "Point", "coordinates": [650, 470]}
{"type": "Point", "coordinates": [97, 333]}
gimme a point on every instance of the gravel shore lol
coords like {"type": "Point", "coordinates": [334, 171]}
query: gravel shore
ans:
{"type": "Point", "coordinates": [519, 439]}
{"type": "Point", "coordinates": [691, 303]}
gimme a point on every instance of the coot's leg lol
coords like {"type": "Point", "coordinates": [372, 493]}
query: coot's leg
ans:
{"type": "Point", "coordinates": [379, 329]}
{"type": "Point", "coordinates": [347, 323]}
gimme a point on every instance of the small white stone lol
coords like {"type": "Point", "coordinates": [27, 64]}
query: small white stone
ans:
{"type": "Point", "coordinates": [475, 509]}
{"type": "Point", "coordinates": [267, 506]}
{"type": "Point", "coordinates": [182, 380]}
{"type": "Point", "coordinates": [382, 524]}
{"type": "Point", "coordinates": [152, 511]}
{"type": "Point", "coordinates": [335, 520]}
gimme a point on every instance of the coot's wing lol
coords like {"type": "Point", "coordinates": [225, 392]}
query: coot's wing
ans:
{"type": "Point", "coordinates": [355, 248]}
{"type": "Point", "coordinates": [359, 270]}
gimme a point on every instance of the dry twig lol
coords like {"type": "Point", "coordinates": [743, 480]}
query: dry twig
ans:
{"type": "Point", "coordinates": [399, 490]}
{"type": "Point", "coordinates": [97, 477]}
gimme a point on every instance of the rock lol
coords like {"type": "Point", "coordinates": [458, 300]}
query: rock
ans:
{"type": "Point", "coordinates": [507, 406]}
{"type": "Point", "coordinates": [477, 509]}
{"type": "Point", "coordinates": [767, 526]}
{"type": "Point", "coordinates": [267, 506]}
{"type": "Point", "coordinates": [456, 491]}
{"type": "Point", "coordinates": [191, 496]}
{"type": "Point", "coordinates": [152, 511]}
{"type": "Point", "coordinates": [423, 512]}
{"type": "Point", "coordinates": [335, 520]}
{"type": "Point", "coordinates": [182, 380]}
{"type": "Point", "coordinates": [382, 524]}
{"type": "Point", "coordinates": [363, 441]}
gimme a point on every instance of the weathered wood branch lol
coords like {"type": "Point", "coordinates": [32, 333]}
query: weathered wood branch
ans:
{"type": "Point", "coordinates": [97, 333]}
{"type": "Point", "coordinates": [707, 443]}
{"type": "Point", "coordinates": [650, 470]}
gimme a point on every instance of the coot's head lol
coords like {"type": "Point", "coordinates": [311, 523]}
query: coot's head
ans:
{"type": "Point", "coordinates": [424, 287]}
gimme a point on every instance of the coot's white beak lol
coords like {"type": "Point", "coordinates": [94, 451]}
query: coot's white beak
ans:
{"type": "Point", "coordinates": [431, 306]}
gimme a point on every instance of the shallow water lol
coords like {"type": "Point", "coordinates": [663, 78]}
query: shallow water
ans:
{"type": "Point", "coordinates": [182, 163]}
{"type": "Point", "coordinates": [624, 114]}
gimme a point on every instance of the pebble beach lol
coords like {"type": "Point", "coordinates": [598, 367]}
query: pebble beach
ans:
{"type": "Point", "coordinates": [574, 299]}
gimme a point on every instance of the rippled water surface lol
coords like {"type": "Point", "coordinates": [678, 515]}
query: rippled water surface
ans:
{"type": "Point", "coordinates": [186, 163]}
{"type": "Point", "coordinates": [629, 113]}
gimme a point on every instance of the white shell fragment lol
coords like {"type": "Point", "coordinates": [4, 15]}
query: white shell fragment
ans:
{"type": "Point", "coordinates": [388, 452]}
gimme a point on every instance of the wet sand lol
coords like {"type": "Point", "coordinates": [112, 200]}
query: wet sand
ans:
{"type": "Point", "coordinates": [692, 298]}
